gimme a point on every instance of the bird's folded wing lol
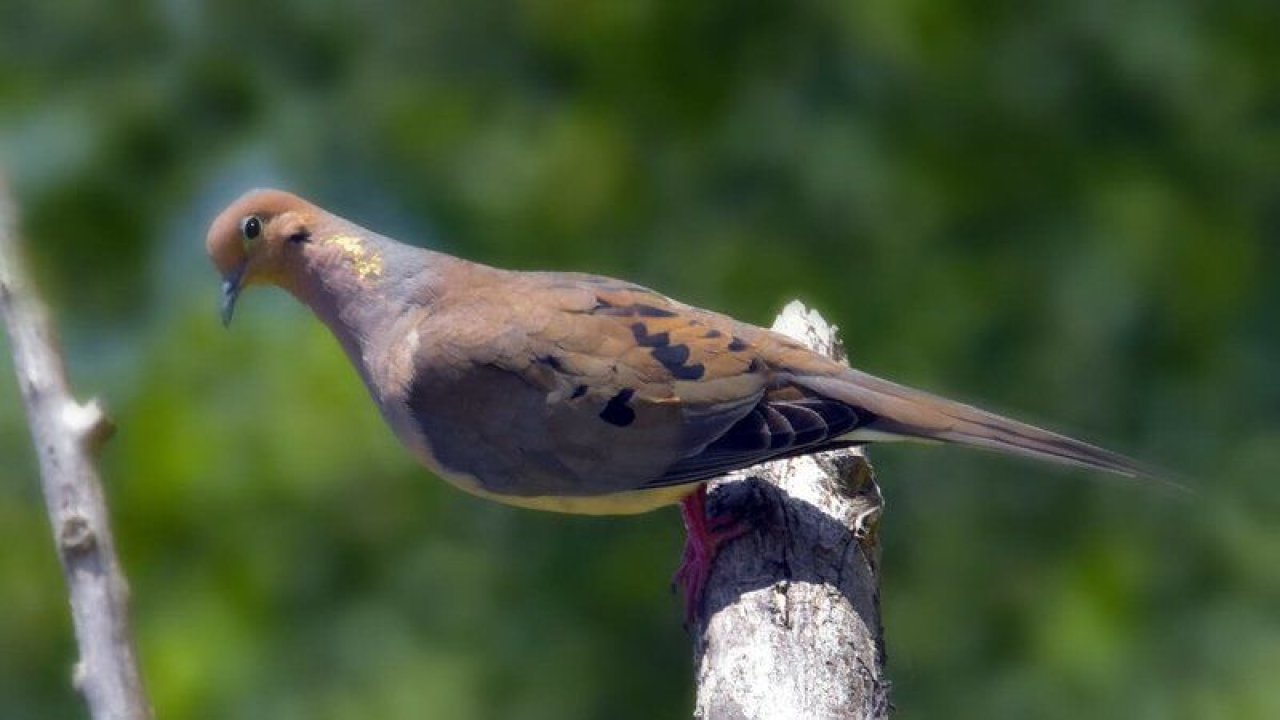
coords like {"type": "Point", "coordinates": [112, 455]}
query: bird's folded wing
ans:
{"type": "Point", "coordinates": [675, 394]}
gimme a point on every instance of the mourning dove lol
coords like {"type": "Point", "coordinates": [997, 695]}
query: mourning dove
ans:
{"type": "Point", "coordinates": [579, 393]}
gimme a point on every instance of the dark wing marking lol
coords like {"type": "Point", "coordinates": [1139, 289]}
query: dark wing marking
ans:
{"type": "Point", "coordinates": [773, 429]}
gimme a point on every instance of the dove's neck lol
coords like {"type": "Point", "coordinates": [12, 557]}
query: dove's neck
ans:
{"type": "Point", "coordinates": [359, 284]}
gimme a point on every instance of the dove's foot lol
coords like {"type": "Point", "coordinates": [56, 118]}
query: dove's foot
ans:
{"type": "Point", "coordinates": [704, 539]}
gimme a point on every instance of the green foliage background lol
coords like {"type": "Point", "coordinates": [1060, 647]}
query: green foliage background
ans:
{"type": "Point", "coordinates": [1068, 209]}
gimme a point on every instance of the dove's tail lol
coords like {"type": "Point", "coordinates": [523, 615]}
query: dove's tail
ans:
{"type": "Point", "coordinates": [901, 413]}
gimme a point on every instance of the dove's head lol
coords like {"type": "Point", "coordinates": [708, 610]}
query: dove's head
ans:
{"type": "Point", "coordinates": [260, 239]}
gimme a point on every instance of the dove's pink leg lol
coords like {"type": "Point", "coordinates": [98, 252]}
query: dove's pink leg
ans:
{"type": "Point", "coordinates": [703, 541]}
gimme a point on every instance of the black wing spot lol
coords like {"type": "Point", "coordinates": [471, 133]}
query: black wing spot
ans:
{"type": "Point", "coordinates": [552, 362]}
{"type": "Point", "coordinates": [689, 372]}
{"type": "Point", "coordinates": [671, 355]}
{"type": "Point", "coordinates": [617, 412]}
{"type": "Point", "coordinates": [579, 392]}
{"type": "Point", "coordinates": [737, 344]}
{"type": "Point", "coordinates": [674, 357]}
{"type": "Point", "coordinates": [644, 339]}
{"type": "Point", "coordinates": [712, 334]}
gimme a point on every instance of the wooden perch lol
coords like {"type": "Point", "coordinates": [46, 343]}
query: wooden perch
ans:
{"type": "Point", "coordinates": [66, 434]}
{"type": "Point", "coordinates": [791, 627]}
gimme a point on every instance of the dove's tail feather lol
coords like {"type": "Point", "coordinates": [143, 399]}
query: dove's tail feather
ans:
{"type": "Point", "coordinates": [901, 413]}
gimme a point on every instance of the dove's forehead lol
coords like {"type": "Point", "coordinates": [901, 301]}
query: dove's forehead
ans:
{"type": "Point", "coordinates": [263, 203]}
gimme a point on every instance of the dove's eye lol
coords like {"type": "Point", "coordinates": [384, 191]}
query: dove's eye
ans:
{"type": "Point", "coordinates": [251, 227]}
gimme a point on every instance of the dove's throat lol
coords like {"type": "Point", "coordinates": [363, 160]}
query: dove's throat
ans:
{"type": "Point", "coordinates": [361, 285]}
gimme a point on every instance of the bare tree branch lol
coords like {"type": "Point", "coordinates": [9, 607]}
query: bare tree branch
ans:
{"type": "Point", "coordinates": [66, 434]}
{"type": "Point", "coordinates": [792, 623]}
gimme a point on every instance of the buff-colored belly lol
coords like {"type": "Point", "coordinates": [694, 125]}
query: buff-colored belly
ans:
{"type": "Point", "coordinates": [631, 502]}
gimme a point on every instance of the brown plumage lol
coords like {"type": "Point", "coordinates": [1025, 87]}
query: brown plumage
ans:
{"type": "Point", "coordinates": [573, 392]}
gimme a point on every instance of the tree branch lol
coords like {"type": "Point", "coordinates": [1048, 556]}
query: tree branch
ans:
{"type": "Point", "coordinates": [792, 627]}
{"type": "Point", "coordinates": [66, 434]}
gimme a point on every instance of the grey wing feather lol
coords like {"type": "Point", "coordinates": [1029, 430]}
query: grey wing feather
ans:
{"type": "Point", "coordinates": [771, 430]}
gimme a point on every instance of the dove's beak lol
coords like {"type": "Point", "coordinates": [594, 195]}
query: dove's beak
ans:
{"type": "Point", "coordinates": [230, 291]}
